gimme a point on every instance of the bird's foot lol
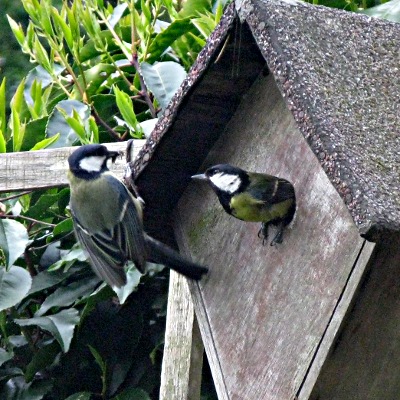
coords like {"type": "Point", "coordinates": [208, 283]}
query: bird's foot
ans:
{"type": "Point", "coordinates": [263, 233]}
{"type": "Point", "coordinates": [278, 237]}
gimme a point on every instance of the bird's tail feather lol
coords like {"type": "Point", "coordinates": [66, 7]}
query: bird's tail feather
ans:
{"type": "Point", "coordinates": [162, 254]}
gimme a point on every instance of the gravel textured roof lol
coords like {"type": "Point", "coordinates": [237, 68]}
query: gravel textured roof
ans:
{"type": "Point", "coordinates": [340, 75]}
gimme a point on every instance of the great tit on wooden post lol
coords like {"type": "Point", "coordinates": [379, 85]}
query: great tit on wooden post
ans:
{"type": "Point", "coordinates": [108, 220]}
{"type": "Point", "coordinates": [254, 197]}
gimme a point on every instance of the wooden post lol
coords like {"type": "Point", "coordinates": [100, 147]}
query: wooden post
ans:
{"type": "Point", "coordinates": [183, 349]}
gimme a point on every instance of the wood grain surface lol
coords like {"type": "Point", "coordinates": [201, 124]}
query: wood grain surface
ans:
{"type": "Point", "coordinates": [46, 168]}
{"type": "Point", "coordinates": [183, 348]}
{"type": "Point", "coordinates": [263, 310]}
{"type": "Point", "coordinates": [364, 364]}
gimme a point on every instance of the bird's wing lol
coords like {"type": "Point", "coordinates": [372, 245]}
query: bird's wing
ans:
{"type": "Point", "coordinates": [107, 261]}
{"type": "Point", "coordinates": [109, 249]}
{"type": "Point", "coordinates": [270, 189]}
{"type": "Point", "coordinates": [128, 232]}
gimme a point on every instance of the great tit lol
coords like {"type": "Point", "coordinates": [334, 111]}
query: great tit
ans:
{"type": "Point", "coordinates": [254, 197]}
{"type": "Point", "coordinates": [108, 220]}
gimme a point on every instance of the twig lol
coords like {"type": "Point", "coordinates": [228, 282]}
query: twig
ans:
{"type": "Point", "coordinates": [27, 218]}
{"type": "Point", "coordinates": [105, 125]}
{"type": "Point", "coordinates": [29, 263]}
{"type": "Point", "coordinates": [144, 92]}
{"type": "Point", "coordinates": [15, 195]}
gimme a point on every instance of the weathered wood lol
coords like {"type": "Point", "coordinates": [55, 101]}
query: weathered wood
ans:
{"type": "Point", "coordinates": [183, 348]}
{"type": "Point", "coordinates": [263, 310]}
{"type": "Point", "coordinates": [336, 322]}
{"type": "Point", "coordinates": [364, 364]}
{"type": "Point", "coordinates": [187, 130]}
{"type": "Point", "coordinates": [201, 312]}
{"type": "Point", "coordinates": [46, 168]}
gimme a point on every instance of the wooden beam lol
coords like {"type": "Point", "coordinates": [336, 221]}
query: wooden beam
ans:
{"type": "Point", "coordinates": [183, 349]}
{"type": "Point", "coordinates": [46, 168]}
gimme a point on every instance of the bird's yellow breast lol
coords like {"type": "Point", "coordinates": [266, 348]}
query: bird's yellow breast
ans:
{"type": "Point", "coordinates": [247, 208]}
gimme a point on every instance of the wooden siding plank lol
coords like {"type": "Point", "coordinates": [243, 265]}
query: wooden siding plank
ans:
{"type": "Point", "coordinates": [46, 168]}
{"type": "Point", "coordinates": [332, 332]}
{"type": "Point", "coordinates": [364, 364]}
{"type": "Point", "coordinates": [263, 310]}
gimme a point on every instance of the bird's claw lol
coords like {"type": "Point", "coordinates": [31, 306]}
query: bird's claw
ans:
{"type": "Point", "coordinates": [263, 233]}
{"type": "Point", "coordinates": [277, 238]}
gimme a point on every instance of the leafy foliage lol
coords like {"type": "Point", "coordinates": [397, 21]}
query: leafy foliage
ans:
{"type": "Point", "coordinates": [102, 72]}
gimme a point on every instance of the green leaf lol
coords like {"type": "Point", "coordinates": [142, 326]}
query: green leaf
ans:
{"type": "Point", "coordinates": [205, 24]}
{"type": "Point", "coordinates": [187, 48]}
{"type": "Point", "coordinates": [62, 28]}
{"type": "Point", "coordinates": [168, 36]}
{"type": "Point", "coordinates": [5, 356]}
{"type": "Point", "coordinates": [163, 79]}
{"type": "Point", "coordinates": [58, 124]}
{"type": "Point", "coordinates": [132, 394]}
{"type": "Point", "coordinates": [45, 142]}
{"type": "Point", "coordinates": [103, 292]}
{"type": "Point", "coordinates": [3, 121]}
{"type": "Point", "coordinates": [34, 133]}
{"type": "Point", "coordinates": [63, 227]}
{"type": "Point", "coordinates": [133, 279]}
{"type": "Point", "coordinates": [17, 129]}
{"type": "Point", "coordinates": [94, 129]}
{"type": "Point", "coordinates": [389, 11]}
{"type": "Point", "coordinates": [146, 12]}
{"type": "Point", "coordinates": [96, 76]}
{"type": "Point", "coordinates": [41, 54]}
{"type": "Point", "coordinates": [90, 51]}
{"type": "Point", "coordinates": [39, 74]}
{"type": "Point", "coordinates": [125, 106]}
{"type": "Point", "coordinates": [17, 106]}
{"type": "Point", "coordinates": [191, 7]}
{"type": "Point", "coordinates": [102, 364]}
{"type": "Point", "coordinates": [42, 359]}
{"type": "Point", "coordinates": [60, 325]}
{"type": "Point", "coordinates": [76, 124]}
{"type": "Point", "coordinates": [17, 389]}
{"type": "Point", "coordinates": [75, 254]}
{"type": "Point", "coordinates": [45, 22]}
{"type": "Point", "coordinates": [66, 295]}
{"type": "Point", "coordinates": [72, 16]}
{"type": "Point", "coordinates": [17, 30]}
{"type": "Point", "coordinates": [8, 373]}
{"type": "Point", "coordinates": [13, 240]}
{"type": "Point", "coordinates": [45, 280]}
{"type": "Point", "coordinates": [42, 206]}
{"type": "Point", "coordinates": [80, 396]}
{"type": "Point", "coordinates": [14, 284]}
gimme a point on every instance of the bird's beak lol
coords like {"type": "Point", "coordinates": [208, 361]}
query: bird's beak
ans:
{"type": "Point", "coordinates": [200, 177]}
{"type": "Point", "coordinates": [113, 155]}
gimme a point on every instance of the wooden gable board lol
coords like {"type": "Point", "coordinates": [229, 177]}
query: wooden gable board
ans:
{"type": "Point", "coordinates": [263, 310]}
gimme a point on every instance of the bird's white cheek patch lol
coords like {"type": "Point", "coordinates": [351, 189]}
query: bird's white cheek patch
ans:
{"type": "Point", "coordinates": [92, 163]}
{"type": "Point", "coordinates": [226, 182]}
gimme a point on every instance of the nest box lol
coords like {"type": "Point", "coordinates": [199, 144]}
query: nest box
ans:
{"type": "Point", "coordinates": [312, 95]}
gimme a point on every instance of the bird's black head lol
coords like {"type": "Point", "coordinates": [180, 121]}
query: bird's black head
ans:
{"type": "Point", "coordinates": [225, 178]}
{"type": "Point", "coordinates": [90, 161]}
